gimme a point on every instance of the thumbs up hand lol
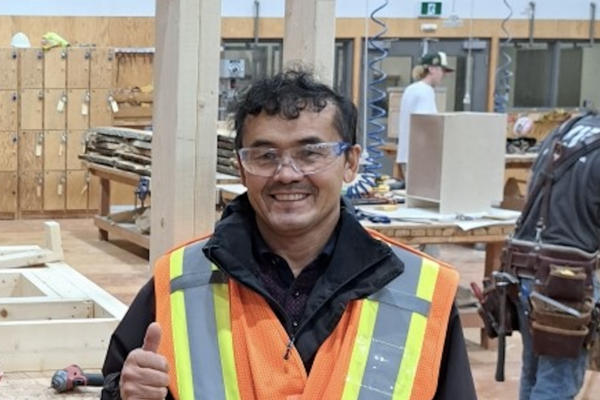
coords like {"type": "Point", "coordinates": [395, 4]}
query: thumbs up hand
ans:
{"type": "Point", "coordinates": [145, 373]}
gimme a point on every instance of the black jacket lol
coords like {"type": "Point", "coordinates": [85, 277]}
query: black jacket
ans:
{"type": "Point", "coordinates": [360, 266]}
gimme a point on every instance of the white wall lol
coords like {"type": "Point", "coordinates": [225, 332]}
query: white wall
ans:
{"type": "Point", "coordinates": [545, 9]}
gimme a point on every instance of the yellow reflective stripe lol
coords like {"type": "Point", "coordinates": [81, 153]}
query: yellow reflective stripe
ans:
{"type": "Point", "coordinates": [185, 381]}
{"type": "Point", "coordinates": [360, 350]}
{"type": "Point", "coordinates": [416, 333]}
{"type": "Point", "coordinates": [225, 338]}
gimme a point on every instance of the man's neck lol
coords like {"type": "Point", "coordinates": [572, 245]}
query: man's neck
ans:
{"type": "Point", "coordinates": [428, 80]}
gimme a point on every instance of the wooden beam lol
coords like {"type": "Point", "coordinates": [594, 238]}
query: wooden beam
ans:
{"type": "Point", "coordinates": [184, 145]}
{"type": "Point", "coordinates": [492, 66]}
{"type": "Point", "coordinates": [42, 308]}
{"type": "Point", "coordinates": [309, 35]}
{"type": "Point", "coordinates": [36, 256]}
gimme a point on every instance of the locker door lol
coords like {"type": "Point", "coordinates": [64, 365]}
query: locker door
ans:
{"type": "Point", "coordinates": [77, 190]}
{"type": "Point", "coordinates": [100, 111]}
{"type": "Point", "coordinates": [102, 69]}
{"type": "Point", "coordinates": [78, 68]}
{"type": "Point", "coordinates": [75, 147]}
{"type": "Point", "coordinates": [94, 196]}
{"type": "Point", "coordinates": [9, 107]}
{"type": "Point", "coordinates": [78, 109]}
{"type": "Point", "coordinates": [55, 107]}
{"type": "Point", "coordinates": [55, 68]}
{"type": "Point", "coordinates": [31, 68]}
{"type": "Point", "coordinates": [8, 151]}
{"type": "Point", "coordinates": [32, 106]}
{"type": "Point", "coordinates": [31, 191]}
{"type": "Point", "coordinates": [55, 149]}
{"type": "Point", "coordinates": [8, 69]}
{"type": "Point", "coordinates": [31, 151]}
{"type": "Point", "coordinates": [55, 185]}
{"type": "Point", "coordinates": [8, 188]}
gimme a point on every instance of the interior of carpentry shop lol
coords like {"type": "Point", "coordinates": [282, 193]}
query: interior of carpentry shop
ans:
{"type": "Point", "coordinates": [451, 143]}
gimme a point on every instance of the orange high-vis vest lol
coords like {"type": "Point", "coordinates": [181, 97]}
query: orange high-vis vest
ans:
{"type": "Point", "coordinates": [224, 342]}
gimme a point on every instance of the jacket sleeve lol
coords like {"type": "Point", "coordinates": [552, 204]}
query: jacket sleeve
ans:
{"type": "Point", "coordinates": [128, 336]}
{"type": "Point", "coordinates": [455, 380]}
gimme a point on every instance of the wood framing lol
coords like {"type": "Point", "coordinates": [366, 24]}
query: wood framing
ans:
{"type": "Point", "coordinates": [309, 36]}
{"type": "Point", "coordinates": [24, 256]}
{"type": "Point", "coordinates": [74, 316]}
{"type": "Point", "coordinates": [186, 102]}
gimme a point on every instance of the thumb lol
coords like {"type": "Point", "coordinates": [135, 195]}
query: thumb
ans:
{"type": "Point", "coordinates": [152, 338]}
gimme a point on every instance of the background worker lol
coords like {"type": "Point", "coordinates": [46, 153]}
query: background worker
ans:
{"type": "Point", "coordinates": [419, 98]}
{"type": "Point", "coordinates": [291, 298]}
{"type": "Point", "coordinates": [561, 222]}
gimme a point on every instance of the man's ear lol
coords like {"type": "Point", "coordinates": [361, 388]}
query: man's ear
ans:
{"type": "Point", "coordinates": [352, 163]}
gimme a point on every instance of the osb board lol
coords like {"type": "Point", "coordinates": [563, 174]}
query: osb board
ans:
{"type": "Point", "coordinates": [31, 70]}
{"type": "Point", "coordinates": [9, 62]}
{"type": "Point", "coordinates": [9, 107]}
{"type": "Point", "coordinates": [78, 67]}
{"type": "Point", "coordinates": [31, 150]}
{"type": "Point", "coordinates": [32, 107]}
{"type": "Point", "coordinates": [100, 111]}
{"type": "Point", "coordinates": [55, 189]}
{"type": "Point", "coordinates": [31, 191]}
{"type": "Point", "coordinates": [75, 147]}
{"type": "Point", "coordinates": [8, 190]}
{"type": "Point", "coordinates": [55, 149]}
{"type": "Point", "coordinates": [77, 190]}
{"type": "Point", "coordinates": [102, 68]}
{"type": "Point", "coordinates": [55, 106]}
{"type": "Point", "coordinates": [78, 109]}
{"type": "Point", "coordinates": [55, 68]}
{"type": "Point", "coordinates": [8, 151]}
{"type": "Point", "coordinates": [134, 70]}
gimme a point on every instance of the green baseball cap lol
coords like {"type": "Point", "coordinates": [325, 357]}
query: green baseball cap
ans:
{"type": "Point", "coordinates": [438, 59]}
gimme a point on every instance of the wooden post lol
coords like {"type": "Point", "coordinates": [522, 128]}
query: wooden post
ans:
{"type": "Point", "coordinates": [184, 148]}
{"type": "Point", "coordinates": [309, 35]}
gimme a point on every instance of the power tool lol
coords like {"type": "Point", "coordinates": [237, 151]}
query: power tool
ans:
{"type": "Point", "coordinates": [68, 378]}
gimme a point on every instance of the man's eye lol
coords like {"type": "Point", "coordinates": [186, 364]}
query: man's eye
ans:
{"type": "Point", "coordinates": [266, 156]}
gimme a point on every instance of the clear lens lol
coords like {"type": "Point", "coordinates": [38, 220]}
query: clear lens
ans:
{"type": "Point", "coordinates": [308, 159]}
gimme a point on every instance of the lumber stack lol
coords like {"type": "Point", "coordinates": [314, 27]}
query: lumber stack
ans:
{"type": "Point", "coordinates": [123, 148]}
{"type": "Point", "coordinates": [226, 159]}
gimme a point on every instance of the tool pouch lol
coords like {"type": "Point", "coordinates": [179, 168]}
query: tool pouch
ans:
{"type": "Point", "coordinates": [594, 340]}
{"type": "Point", "coordinates": [490, 309]}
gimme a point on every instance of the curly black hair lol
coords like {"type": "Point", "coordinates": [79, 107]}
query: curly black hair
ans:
{"type": "Point", "coordinates": [289, 93]}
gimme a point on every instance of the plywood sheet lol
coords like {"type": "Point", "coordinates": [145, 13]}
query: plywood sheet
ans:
{"type": "Point", "coordinates": [78, 67]}
{"type": "Point", "coordinates": [55, 150]}
{"type": "Point", "coordinates": [31, 150]}
{"type": "Point", "coordinates": [32, 107]}
{"type": "Point", "coordinates": [100, 111]}
{"type": "Point", "coordinates": [102, 68]}
{"type": "Point", "coordinates": [8, 192]}
{"type": "Point", "coordinates": [77, 190]}
{"type": "Point", "coordinates": [55, 68]}
{"type": "Point", "coordinates": [78, 109]}
{"type": "Point", "coordinates": [9, 107]}
{"type": "Point", "coordinates": [31, 191]}
{"type": "Point", "coordinates": [31, 69]}
{"type": "Point", "coordinates": [75, 147]}
{"type": "Point", "coordinates": [9, 62]}
{"type": "Point", "coordinates": [55, 188]}
{"type": "Point", "coordinates": [9, 148]}
{"type": "Point", "coordinates": [55, 106]}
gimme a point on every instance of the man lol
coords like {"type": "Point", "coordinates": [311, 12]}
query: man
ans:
{"type": "Point", "coordinates": [291, 298]}
{"type": "Point", "coordinates": [559, 229]}
{"type": "Point", "coordinates": [419, 98]}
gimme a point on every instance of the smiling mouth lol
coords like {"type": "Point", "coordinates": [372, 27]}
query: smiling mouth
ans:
{"type": "Point", "coordinates": [289, 197]}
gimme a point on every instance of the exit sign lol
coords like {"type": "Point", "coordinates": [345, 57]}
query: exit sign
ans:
{"type": "Point", "coordinates": [431, 9]}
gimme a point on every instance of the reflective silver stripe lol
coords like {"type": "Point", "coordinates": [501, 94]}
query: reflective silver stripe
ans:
{"type": "Point", "coordinates": [391, 329]}
{"type": "Point", "coordinates": [202, 328]}
{"type": "Point", "coordinates": [197, 279]}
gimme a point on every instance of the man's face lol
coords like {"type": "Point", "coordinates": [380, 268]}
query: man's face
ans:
{"type": "Point", "coordinates": [438, 74]}
{"type": "Point", "coordinates": [290, 202]}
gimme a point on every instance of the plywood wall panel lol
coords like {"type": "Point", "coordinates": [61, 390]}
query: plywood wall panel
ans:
{"type": "Point", "coordinates": [55, 150]}
{"type": "Point", "coordinates": [9, 110]}
{"type": "Point", "coordinates": [100, 111]}
{"type": "Point", "coordinates": [9, 147]}
{"type": "Point", "coordinates": [31, 191]}
{"type": "Point", "coordinates": [32, 108]}
{"type": "Point", "coordinates": [55, 68]}
{"type": "Point", "coordinates": [31, 150]}
{"type": "Point", "coordinates": [78, 109]}
{"type": "Point", "coordinates": [9, 62]}
{"type": "Point", "coordinates": [55, 109]}
{"type": "Point", "coordinates": [75, 147]}
{"type": "Point", "coordinates": [31, 69]}
{"type": "Point", "coordinates": [102, 68]}
{"type": "Point", "coordinates": [78, 68]}
{"type": "Point", "coordinates": [55, 190]}
{"type": "Point", "coordinates": [8, 190]}
{"type": "Point", "coordinates": [77, 190]}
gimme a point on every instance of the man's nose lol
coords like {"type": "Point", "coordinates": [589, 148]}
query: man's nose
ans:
{"type": "Point", "coordinates": [287, 171]}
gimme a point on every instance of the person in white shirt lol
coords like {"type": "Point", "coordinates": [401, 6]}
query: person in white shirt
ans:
{"type": "Point", "coordinates": [419, 98]}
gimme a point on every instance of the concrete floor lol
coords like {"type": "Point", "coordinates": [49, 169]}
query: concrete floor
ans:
{"type": "Point", "coordinates": [121, 269]}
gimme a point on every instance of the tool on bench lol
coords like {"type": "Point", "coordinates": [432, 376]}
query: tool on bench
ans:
{"type": "Point", "coordinates": [142, 190]}
{"type": "Point", "coordinates": [378, 219]}
{"type": "Point", "coordinates": [68, 378]}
